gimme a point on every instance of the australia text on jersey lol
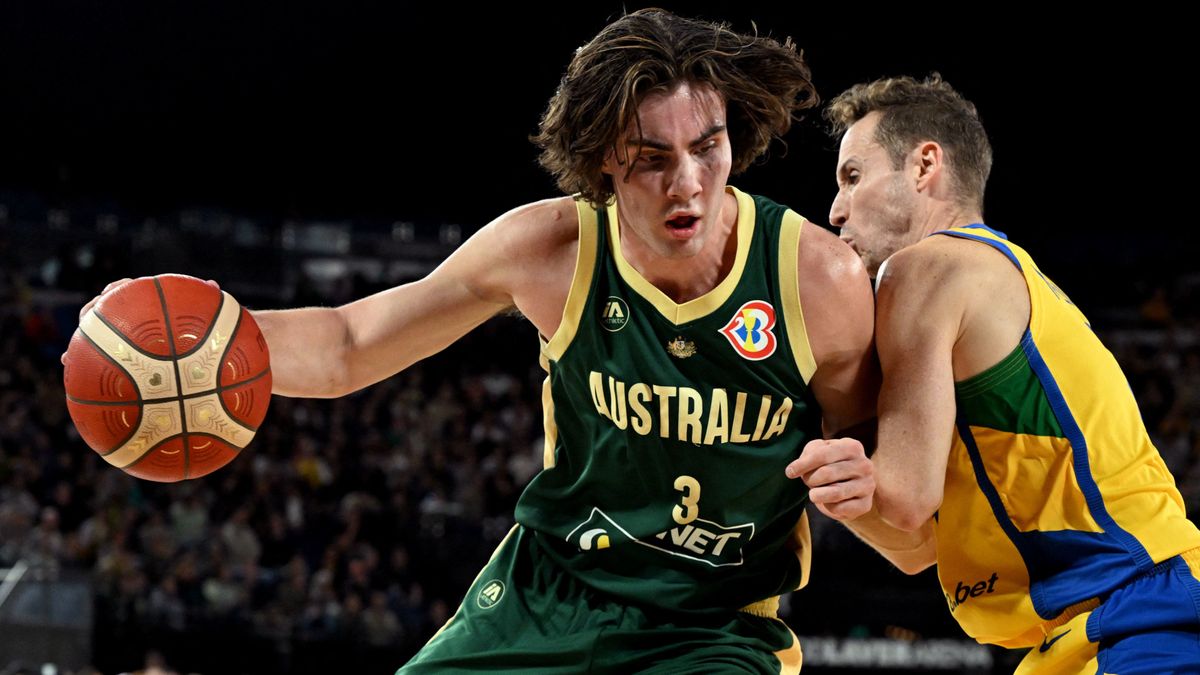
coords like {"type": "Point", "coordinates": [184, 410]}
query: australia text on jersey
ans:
{"type": "Point", "coordinates": [683, 413]}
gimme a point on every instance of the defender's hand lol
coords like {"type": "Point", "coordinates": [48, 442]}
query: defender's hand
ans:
{"type": "Point", "coordinates": [840, 478]}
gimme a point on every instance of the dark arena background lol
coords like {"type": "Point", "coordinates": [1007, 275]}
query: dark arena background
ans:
{"type": "Point", "coordinates": [309, 154]}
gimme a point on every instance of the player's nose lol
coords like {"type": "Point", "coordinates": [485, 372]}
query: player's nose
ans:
{"type": "Point", "coordinates": [839, 212]}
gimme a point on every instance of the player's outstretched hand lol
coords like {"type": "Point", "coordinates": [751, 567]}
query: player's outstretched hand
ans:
{"type": "Point", "coordinates": [839, 476]}
{"type": "Point", "coordinates": [114, 285]}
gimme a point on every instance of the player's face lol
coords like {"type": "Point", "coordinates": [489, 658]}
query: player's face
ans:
{"type": "Point", "coordinates": [875, 202]}
{"type": "Point", "coordinates": [672, 199]}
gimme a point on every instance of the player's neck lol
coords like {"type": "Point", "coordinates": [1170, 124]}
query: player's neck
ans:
{"type": "Point", "coordinates": [685, 279]}
{"type": "Point", "coordinates": [944, 215]}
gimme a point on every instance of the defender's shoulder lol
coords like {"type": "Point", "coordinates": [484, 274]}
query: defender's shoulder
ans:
{"type": "Point", "coordinates": [825, 259]}
{"type": "Point", "coordinates": [934, 261]}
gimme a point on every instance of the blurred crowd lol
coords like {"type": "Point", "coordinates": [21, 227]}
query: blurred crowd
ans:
{"type": "Point", "coordinates": [358, 521]}
{"type": "Point", "coordinates": [349, 529]}
{"type": "Point", "coordinates": [1159, 350]}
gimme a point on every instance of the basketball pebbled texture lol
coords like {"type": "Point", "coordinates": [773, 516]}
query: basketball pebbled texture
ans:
{"type": "Point", "coordinates": [167, 378]}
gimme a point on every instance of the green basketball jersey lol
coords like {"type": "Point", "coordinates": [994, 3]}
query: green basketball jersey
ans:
{"type": "Point", "coordinates": [668, 426]}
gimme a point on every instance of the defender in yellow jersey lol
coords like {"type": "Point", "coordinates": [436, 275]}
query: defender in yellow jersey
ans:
{"type": "Point", "coordinates": [1008, 434]}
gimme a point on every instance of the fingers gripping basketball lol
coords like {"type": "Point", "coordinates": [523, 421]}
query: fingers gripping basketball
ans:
{"type": "Point", "coordinates": [167, 377]}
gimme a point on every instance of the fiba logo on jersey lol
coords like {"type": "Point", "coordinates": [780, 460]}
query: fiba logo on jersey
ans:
{"type": "Point", "coordinates": [749, 331]}
{"type": "Point", "coordinates": [490, 595]}
{"type": "Point", "coordinates": [614, 314]}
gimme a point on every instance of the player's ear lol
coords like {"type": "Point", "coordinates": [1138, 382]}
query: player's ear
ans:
{"type": "Point", "coordinates": [926, 162]}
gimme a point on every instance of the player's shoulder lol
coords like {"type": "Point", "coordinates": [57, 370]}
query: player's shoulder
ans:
{"type": "Point", "coordinates": [935, 261]}
{"type": "Point", "coordinates": [556, 216]}
{"type": "Point", "coordinates": [835, 292]}
{"type": "Point", "coordinates": [536, 230]}
{"type": "Point", "coordinates": [945, 272]}
{"type": "Point", "coordinates": [826, 260]}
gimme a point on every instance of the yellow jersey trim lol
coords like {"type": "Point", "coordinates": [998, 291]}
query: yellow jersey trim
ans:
{"type": "Point", "coordinates": [710, 301]}
{"type": "Point", "coordinates": [800, 544]}
{"type": "Point", "coordinates": [789, 279]}
{"type": "Point", "coordinates": [767, 609]}
{"type": "Point", "coordinates": [549, 427]}
{"type": "Point", "coordinates": [581, 282]}
{"type": "Point", "coordinates": [792, 658]}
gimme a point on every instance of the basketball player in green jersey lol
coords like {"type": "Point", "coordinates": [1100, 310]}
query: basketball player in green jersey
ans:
{"type": "Point", "coordinates": [694, 338]}
{"type": "Point", "coordinates": [1007, 432]}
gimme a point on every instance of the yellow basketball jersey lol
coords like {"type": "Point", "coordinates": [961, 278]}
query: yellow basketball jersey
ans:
{"type": "Point", "coordinates": [1054, 493]}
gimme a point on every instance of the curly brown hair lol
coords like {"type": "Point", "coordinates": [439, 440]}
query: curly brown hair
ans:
{"type": "Point", "coordinates": [764, 84]}
{"type": "Point", "coordinates": [914, 111]}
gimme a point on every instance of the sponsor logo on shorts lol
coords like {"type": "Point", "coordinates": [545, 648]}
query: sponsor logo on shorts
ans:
{"type": "Point", "coordinates": [489, 596]}
{"type": "Point", "coordinates": [614, 314]}
{"type": "Point", "coordinates": [964, 592]}
{"type": "Point", "coordinates": [1048, 644]}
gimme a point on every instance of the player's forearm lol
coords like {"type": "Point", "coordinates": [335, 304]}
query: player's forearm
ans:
{"type": "Point", "coordinates": [900, 501]}
{"type": "Point", "coordinates": [308, 351]}
{"type": "Point", "coordinates": [910, 463]}
{"type": "Point", "coordinates": [911, 552]}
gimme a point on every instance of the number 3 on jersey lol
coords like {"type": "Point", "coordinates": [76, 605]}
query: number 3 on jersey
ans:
{"type": "Point", "coordinates": [688, 508]}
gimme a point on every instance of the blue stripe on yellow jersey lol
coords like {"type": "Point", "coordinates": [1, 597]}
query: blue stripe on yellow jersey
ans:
{"type": "Point", "coordinates": [1055, 495]}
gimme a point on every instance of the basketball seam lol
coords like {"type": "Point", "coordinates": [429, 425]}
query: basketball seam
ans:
{"type": "Point", "coordinates": [132, 345]}
{"type": "Point", "coordinates": [162, 301]}
{"type": "Point", "coordinates": [224, 355]}
{"type": "Point", "coordinates": [136, 429]}
{"type": "Point", "coordinates": [144, 455]}
{"type": "Point", "coordinates": [136, 390]}
{"type": "Point", "coordinates": [212, 323]}
{"type": "Point", "coordinates": [181, 397]}
{"type": "Point", "coordinates": [205, 434]}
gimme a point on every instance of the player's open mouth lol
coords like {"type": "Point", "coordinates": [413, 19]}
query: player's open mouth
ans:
{"type": "Point", "coordinates": [682, 226]}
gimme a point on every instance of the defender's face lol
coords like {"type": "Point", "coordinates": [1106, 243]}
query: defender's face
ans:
{"type": "Point", "coordinates": [671, 201]}
{"type": "Point", "coordinates": [875, 204]}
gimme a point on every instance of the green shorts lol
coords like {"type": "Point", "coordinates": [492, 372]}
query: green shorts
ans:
{"type": "Point", "coordinates": [523, 614]}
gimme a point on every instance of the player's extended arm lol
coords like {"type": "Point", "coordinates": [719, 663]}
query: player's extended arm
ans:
{"type": "Point", "coordinates": [327, 352]}
{"type": "Point", "coordinates": [919, 319]}
{"type": "Point", "coordinates": [835, 293]}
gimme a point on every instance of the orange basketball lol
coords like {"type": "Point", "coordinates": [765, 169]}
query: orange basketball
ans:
{"type": "Point", "coordinates": [167, 378]}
